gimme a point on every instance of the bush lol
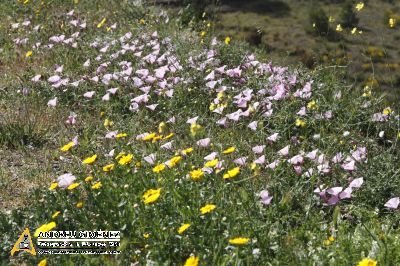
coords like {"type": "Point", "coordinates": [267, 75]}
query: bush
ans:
{"type": "Point", "coordinates": [348, 16]}
{"type": "Point", "coordinates": [194, 10]}
{"type": "Point", "coordinates": [319, 21]}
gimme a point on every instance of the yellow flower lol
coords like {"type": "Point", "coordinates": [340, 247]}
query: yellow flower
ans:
{"type": "Point", "coordinates": [151, 195]}
{"type": "Point", "coordinates": [192, 261]}
{"type": "Point", "coordinates": [149, 137]}
{"type": "Point", "coordinates": [207, 208]}
{"type": "Point", "coordinates": [45, 228]}
{"type": "Point", "coordinates": [174, 161]}
{"type": "Point", "coordinates": [101, 23]}
{"type": "Point", "coordinates": [354, 30]}
{"type": "Point", "coordinates": [359, 6]}
{"type": "Point", "coordinates": [161, 127]}
{"type": "Point", "coordinates": [90, 159]}
{"type": "Point", "coordinates": [232, 173]}
{"type": "Point", "coordinates": [156, 138]}
{"type": "Point", "coordinates": [392, 22]}
{"type": "Point", "coordinates": [183, 228]}
{"type": "Point", "coordinates": [187, 151]}
{"type": "Point", "coordinates": [28, 54]}
{"type": "Point", "coordinates": [121, 135]}
{"type": "Point", "coordinates": [146, 235]}
{"type": "Point", "coordinates": [312, 105]}
{"type": "Point", "coordinates": [97, 185]}
{"type": "Point", "coordinates": [108, 123]}
{"type": "Point", "coordinates": [387, 111]}
{"type": "Point", "coordinates": [327, 242]}
{"type": "Point", "coordinates": [331, 238]}
{"type": "Point", "coordinates": [227, 40]}
{"type": "Point", "coordinates": [229, 150]}
{"type": "Point", "coordinates": [79, 204]}
{"type": "Point", "coordinates": [43, 262]}
{"type": "Point", "coordinates": [194, 128]}
{"type": "Point", "coordinates": [170, 135]}
{"type": "Point", "coordinates": [122, 153]}
{"type": "Point", "coordinates": [300, 123]}
{"type": "Point", "coordinates": [203, 33]}
{"type": "Point", "coordinates": [67, 146]}
{"type": "Point", "coordinates": [125, 159]}
{"type": "Point", "coordinates": [88, 179]}
{"type": "Point", "coordinates": [142, 21]}
{"type": "Point", "coordinates": [212, 106]}
{"type": "Point", "coordinates": [367, 91]}
{"type": "Point", "coordinates": [158, 168]}
{"type": "Point", "coordinates": [55, 214]}
{"type": "Point", "coordinates": [196, 174]}
{"type": "Point", "coordinates": [73, 186]}
{"type": "Point", "coordinates": [211, 163]}
{"type": "Point", "coordinates": [239, 241]}
{"type": "Point", "coordinates": [53, 186]}
{"type": "Point", "coordinates": [367, 262]}
{"type": "Point", "coordinates": [108, 167]}
{"type": "Point", "coordinates": [339, 28]}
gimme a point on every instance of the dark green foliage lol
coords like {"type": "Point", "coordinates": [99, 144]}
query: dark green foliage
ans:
{"type": "Point", "coordinates": [319, 21]}
{"type": "Point", "coordinates": [348, 15]}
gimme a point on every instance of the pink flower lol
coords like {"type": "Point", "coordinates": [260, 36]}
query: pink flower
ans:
{"type": "Point", "coordinates": [152, 107]}
{"type": "Point", "coordinates": [54, 79]}
{"type": "Point", "coordinates": [235, 72]}
{"type": "Point", "coordinates": [111, 135]}
{"type": "Point", "coordinates": [273, 138]}
{"type": "Point", "coordinates": [296, 160]}
{"type": "Point", "coordinates": [393, 203]}
{"type": "Point", "coordinates": [142, 73]}
{"type": "Point", "coordinates": [356, 183]}
{"type": "Point", "coordinates": [265, 197]}
{"type": "Point", "coordinates": [258, 149]}
{"type": "Point", "coordinates": [71, 119]}
{"type": "Point", "coordinates": [192, 120]}
{"type": "Point", "coordinates": [36, 78]}
{"type": "Point", "coordinates": [260, 160]}
{"type": "Point", "coordinates": [65, 180]}
{"type": "Point", "coordinates": [167, 146]}
{"type": "Point", "coordinates": [240, 161]}
{"type": "Point", "coordinates": [253, 125]}
{"type": "Point", "coordinates": [274, 164]}
{"type": "Point", "coordinates": [106, 97]}
{"type": "Point", "coordinates": [113, 90]}
{"type": "Point", "coordinates": [150, 159]}
{"type": "Point", "coordinates": [52, 102]}
{"type": "Point", "coordinates": [203, 142]}
{"type": "Point", "coordinates": [235, 115]}
{"type": "Point", "coordinates": [89, 94]}
{"type": "Point", "coordinates": [312, 155]}
{"type": "Point", "coordinates": [222, 122]}
{"type": "Point", "coordinates": [285, 151]}
{"type": "Point", "coordinates": [349, 166]}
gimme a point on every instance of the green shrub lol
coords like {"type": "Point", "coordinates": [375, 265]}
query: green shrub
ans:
{"type": "Point", "coordinates": [348, 15]}
{"type": "Point", "coordinates": [319, 21]}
